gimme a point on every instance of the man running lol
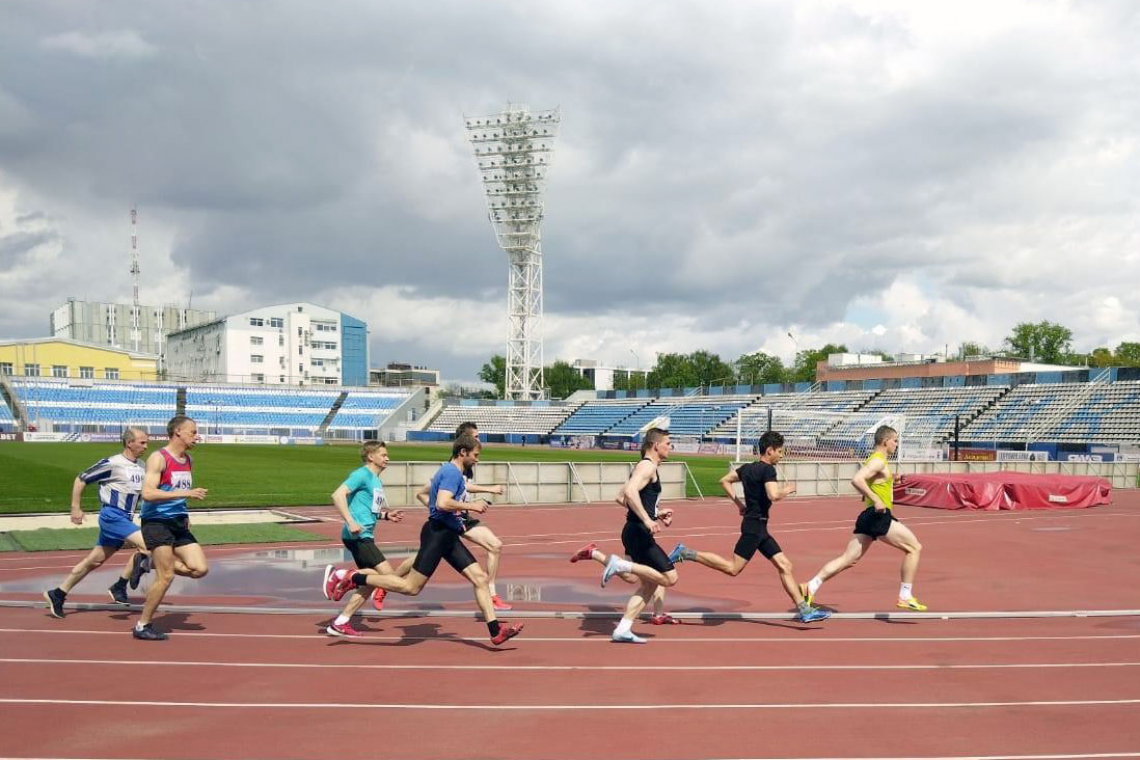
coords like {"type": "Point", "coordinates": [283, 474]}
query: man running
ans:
{"type": "Point", "coordinates": [360, 501]}
{"type": "Point", "coordinates": [474, 530]}
{"type": "Point", "coordinates": [120, 480]}
{"type": "Point", "coordinates": [875, 481]}
{"type": "Point", "coordinates": [166, 520]}
{"type": "Point", "coordinates": [590, 551]}
{"type": "Point", "coordinates": [647, 560]}
{"type": "Point", "coordinates": [760, 491]}
{"type": "Point", "coordinates": [440, 541]}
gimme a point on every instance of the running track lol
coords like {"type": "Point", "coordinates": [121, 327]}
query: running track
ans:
{"type": "Point", "coordinates": [248, 686]}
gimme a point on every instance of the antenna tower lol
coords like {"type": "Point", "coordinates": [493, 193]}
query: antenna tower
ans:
{"type": "Point", "coordinates": [513, 149]}
{"type": "Point", "coordinates": [136, 331]}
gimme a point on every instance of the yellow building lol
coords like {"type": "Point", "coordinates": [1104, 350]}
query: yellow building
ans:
{"type": "Point", "coordinates": [65, 358]}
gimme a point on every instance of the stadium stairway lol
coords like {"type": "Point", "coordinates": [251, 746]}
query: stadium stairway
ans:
{"type": "Point", "coordinates": [180, 401]}
{"type": "Point", "coordinates": [19, 414]}
{"type": "Point", "coordinates": [324, 426]}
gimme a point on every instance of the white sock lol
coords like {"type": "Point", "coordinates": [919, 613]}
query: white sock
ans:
{"type": "Point", "coordinates": [341, 619]}
{"type": "Point", "coordinates": [813, 585]}
{"type": "Point", "coordinates": [622, 565]}
{"type": "Point", "coordinates": [624, 627]}
{"type": "Point", "coordinates": [491, 588]}
{"type": "Point", "coordinates": [905, 591]}
{"type": "Point", "coordinates": [139, 626]}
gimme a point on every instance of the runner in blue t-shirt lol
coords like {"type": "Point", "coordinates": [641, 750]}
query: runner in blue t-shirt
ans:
{"type": "Point", "coordinates": [440, 541]}
{"type": "Point", "coordinates": [360, 501]}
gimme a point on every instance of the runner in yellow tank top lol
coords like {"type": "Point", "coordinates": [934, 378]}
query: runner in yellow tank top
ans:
{"type": "Point", "coordinates": [875, 481]}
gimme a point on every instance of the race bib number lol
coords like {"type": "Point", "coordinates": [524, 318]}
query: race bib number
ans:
{"type": "Point", "coordinates": [378, 501]}
{"type": "Point", "coordinates": [180, 481]}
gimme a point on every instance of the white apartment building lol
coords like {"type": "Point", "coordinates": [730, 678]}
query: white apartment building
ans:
{"type": "Point", "coordinates": [286, 344]}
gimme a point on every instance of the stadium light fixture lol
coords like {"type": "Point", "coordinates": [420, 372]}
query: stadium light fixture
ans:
{"type": "Point", "coordinates": [512, 153]}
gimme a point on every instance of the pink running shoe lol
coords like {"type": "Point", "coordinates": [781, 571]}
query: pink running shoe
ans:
{"type": "Point", "coordinates": [378, 598]}
{"type": "Point", "coordinates": [664, 619]}
{"type": "Point", "coordinates": [346, 630]}
{"type": "Point", "coordinates": [330, 581]}
{"type": "Point", "coordinates": [498, 603]}
{"type": "Point", "coordinates": [507, 632]}
{"type": "Point", "coordinates": [586, 552]}
{"type": "Point", "coordinates": [342, 586]}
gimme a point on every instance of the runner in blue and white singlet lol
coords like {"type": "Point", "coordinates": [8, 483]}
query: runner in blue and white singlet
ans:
{"type": "Point", "coordinates": [120, 479]}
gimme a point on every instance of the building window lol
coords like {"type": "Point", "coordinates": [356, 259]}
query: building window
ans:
{"type": "Point", "coordinates": [276, 322]}
{"type": "Point", "coordinates": [256, 340]}
{"type": "Point", "coordinates": [300, 333]}
{"type": "Point", "coordinates": [258, 378]}
{"type": "Point", "coordinates": [58, 370]}
{"type": "Point", "coordinates": [318, 362]}
{"type": "Point", "coordinates": [6, 368]}
{"type": "Point", "coordinates": [281, 340]}
{"type": "Point", "coordinates": [111, 373]}
{"type": "Point", "coordinates": [256, 358]}
{"type": "Point", "coordinates": [300, 350]}
{"type": "Point", "coordinates": [87, 373]}
{"type": "Point", "coordinates": [281, 379]}
{"type": "Point", "coordinates": [32, 370]}
{"type": "Point", "coordinates": [300, 368]}
{"type": "Point", "coordinates": [256, 322]}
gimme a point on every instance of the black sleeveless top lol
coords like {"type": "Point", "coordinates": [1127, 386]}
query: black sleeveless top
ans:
{"type": "Point", "coordinates": [649, 495]}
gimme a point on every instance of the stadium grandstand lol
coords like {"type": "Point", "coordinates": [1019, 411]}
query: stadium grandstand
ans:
{"type": "Point", "coordinates": [1000, 412]}
{"type": "Point", "coordinates": [46, 405]}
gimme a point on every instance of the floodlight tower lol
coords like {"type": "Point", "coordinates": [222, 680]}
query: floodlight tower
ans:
{"type": "Point", "coordinates": [136, 329]}
{"type": "Point", "coordinates": [513, 151]}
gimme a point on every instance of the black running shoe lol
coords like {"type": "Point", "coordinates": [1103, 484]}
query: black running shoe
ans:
{"type": "Point", "coordinates": [55, 599]}
{"type": "Point", "coordinates": [118, 592]}
{"type": "Point", "coordinates": [142, 566]}
{"type": "Point", "coordinates": [147, 633]}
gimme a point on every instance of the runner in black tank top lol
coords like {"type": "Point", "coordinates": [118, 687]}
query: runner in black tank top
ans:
{"type": "Point", "coordinates": [647, 560]}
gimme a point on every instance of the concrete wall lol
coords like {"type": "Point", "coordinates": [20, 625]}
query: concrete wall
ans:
{"type": "Point", "coordinates": [536, 482]}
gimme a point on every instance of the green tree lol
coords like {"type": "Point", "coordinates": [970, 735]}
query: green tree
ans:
{"type": "Point", "coordinates": [969, 348]}
{"type": "Point", "coordinates": [806, 361]}
{"type": "Point", "coordinates": [1043, 341]}
{"type": "Point", "coordinates": [495, 372]}
{"type": "Point", "coordinates": [1102, 357]}
{"type": "Point", "coordinates": [1127, 355]}
{"type": "Point", "coordinates": [689, 370]}
{"type": "Point", "coordinates": [562, 380]}
{"type": "Point", "coordinates": [758, 368]}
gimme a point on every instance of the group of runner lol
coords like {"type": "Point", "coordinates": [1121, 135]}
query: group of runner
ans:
{"type": "Point", "coordinates": [165, 544]}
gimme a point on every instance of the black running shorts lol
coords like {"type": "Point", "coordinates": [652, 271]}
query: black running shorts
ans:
{"type": "Point", "coordinates": [174, 531]}
{"type": "Point", "coordinates": [754, 537]}
{"type": "Point", "coordinates": [643, 549]}
{"type": "Point", "coordinates": [365, 553]}
{"type": "Point", "coordinates": [439, 542]}
{"type": "Point", "coordinates": [874, 524]}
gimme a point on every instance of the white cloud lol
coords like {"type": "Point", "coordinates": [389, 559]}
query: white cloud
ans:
{"type": "Point", "coordinates": [122, 43]}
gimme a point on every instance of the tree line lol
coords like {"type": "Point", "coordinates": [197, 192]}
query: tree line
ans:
{"type": "Point", "coordinates": [1042, 342]}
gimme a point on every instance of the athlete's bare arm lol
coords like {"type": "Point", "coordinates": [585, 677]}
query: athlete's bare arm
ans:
{"type": "Point", "coordinates": [640, 478]}
{"type": "Point", "coordinates": [865, 475]}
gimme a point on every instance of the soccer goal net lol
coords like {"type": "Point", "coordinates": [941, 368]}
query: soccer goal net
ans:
{"type": "Point", "coordinates": [819, 435]}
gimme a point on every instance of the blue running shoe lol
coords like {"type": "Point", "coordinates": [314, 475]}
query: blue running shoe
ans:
{"type": "Point", "coordinates": [611, 569]}
{"type": "Point", "coordinates": [678, 554]}
{"type": "Point", "coordinates": [814, 614]}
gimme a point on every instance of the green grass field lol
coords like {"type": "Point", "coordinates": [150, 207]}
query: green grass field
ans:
{"type": "Point", "coordinates": [37, 477]}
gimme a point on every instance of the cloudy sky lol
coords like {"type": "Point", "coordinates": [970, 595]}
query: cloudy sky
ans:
{"type": "Point", "coordinates": [892, 175]}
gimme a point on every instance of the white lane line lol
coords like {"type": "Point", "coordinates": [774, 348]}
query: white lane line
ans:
{"type": "Point", "coordinates": [605, 639]}
{"type": "Point", "coordinates": [571, 707]}
{"type": "Point", "coordinates": [557, 668]}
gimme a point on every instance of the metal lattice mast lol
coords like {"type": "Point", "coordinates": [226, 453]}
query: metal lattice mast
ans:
{"type": "Point", "coordinates": [136, 328]}
{"type": "Point", "coordinates": [513, 151]}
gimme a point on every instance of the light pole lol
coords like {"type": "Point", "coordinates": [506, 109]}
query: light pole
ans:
{"type": "Point", "coordinates": [796, 355]}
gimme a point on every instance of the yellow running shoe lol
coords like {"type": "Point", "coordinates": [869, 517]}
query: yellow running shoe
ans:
{"type": "Point", "coordinates": [911, 604]}
{"type": "Point", "coordinates": [807, 595]}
